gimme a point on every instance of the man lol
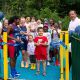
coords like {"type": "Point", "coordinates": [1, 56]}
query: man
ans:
{"type": "Point", "coordinates": [1, 17]}
{"type": "Point", "coordinates": [74, 23]}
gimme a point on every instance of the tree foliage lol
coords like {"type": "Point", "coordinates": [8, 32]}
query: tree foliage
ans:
{"type": "Point", "coordinates": [56, 9]}
{"type": "Point", "coordinates": [37, 7]}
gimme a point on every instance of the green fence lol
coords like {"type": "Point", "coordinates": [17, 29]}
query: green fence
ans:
{"type": "Point", "coordinates": [75, 57]}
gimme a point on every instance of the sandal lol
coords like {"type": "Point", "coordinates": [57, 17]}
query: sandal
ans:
{"type": "Point", "coordinates": [44, 73]}
{"type": "Point", "coordinates": [38, 72]}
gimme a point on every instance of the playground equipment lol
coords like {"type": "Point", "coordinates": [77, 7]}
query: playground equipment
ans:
{"type": "Point", "coordinates": [65, 33]}
{"type": "Point", "coordinates": [75, 39]}
{"type": "Point", "coordinates": [5, 56]}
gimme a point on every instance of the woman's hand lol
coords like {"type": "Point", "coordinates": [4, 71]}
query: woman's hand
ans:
{"type": "Point", "coordinates": [21, 32]}
{"type": "Point", "coordinates": [18, 40]}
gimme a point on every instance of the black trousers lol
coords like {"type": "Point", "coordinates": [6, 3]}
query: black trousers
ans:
{"type": "Point", "coordinates": [70, 60]}
{"type": "Point", "coordinates": [32, 59]}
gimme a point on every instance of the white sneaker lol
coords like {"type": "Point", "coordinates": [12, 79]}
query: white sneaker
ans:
{"type": "Point", "coordinates": [22, 63]}
{"type": "Point", "coordinates": [48, 63]}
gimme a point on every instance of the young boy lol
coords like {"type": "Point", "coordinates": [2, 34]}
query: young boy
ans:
{"type": "Point", "coordinates": [41, 43]}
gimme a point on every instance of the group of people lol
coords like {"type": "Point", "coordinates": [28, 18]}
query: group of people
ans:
{"type": "Point", "coordinates": [34, 39]}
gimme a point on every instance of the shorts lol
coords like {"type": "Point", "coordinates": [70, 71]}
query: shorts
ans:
{"type": "Point", "coordinates": [24, 44]}
{"type": "Point", "coordinates": [11, 49]}
{"type": "Point", "coordinates": [32, 59]}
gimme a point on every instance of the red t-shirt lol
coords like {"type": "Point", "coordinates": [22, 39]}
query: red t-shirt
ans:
{"type": "Point", "coordinates": [41, 51]}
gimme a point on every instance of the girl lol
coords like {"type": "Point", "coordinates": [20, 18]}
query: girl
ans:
{"type": "Point", "coordinates": [30, 50]}
{"type": "Point", "coordinates": [23, 32]}
{"type": "Point", "coordinates": [41, 50]}
{"type": "Point", "coordinates": [55, 39]}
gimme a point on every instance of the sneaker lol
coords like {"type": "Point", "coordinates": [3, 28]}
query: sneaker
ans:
{"type": "Point", "coordinates": [44, 73]}
{"type": "Point", "coordinates": [26, 66]}
{"type": "Point", "coordinates": [22, 64]}
{"type": "Point", "coordinates": [48, 63]}
{"type": "Point", "coordinates": [14, 75]}
{"type": "Point", "coordinates": [34, 66]}
{"type": "Point", "coordinates": [18, 74]}
{"type": "Point", "coordinates": [38, 72]}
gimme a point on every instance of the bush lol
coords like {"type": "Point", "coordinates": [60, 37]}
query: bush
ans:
{"type": "Point", "coordinates": [65, 23]}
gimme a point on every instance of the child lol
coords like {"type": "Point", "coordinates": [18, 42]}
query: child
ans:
{"type": "Point", "coordinates": [30, 50]}
{"type": "Point", "coordinates": [48, 35]}
{"type": "Point", "coordinates": [55, 39]}
{"type": "Point", "coordinates": [41, 50]}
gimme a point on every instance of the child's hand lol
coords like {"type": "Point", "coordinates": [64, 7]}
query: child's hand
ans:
{"type": "Point", "coordinates": [44, 44]}
{"type": "Point", "coordinates": [37, 44]}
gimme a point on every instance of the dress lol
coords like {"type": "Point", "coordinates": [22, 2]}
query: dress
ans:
{"type": "Point", "coordinates": [30, 48]}
{"type": "Point", "coordinates": [41, 51]}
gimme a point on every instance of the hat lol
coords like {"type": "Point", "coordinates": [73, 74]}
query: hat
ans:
{"type": "Point", "coordinates": [45, 24]}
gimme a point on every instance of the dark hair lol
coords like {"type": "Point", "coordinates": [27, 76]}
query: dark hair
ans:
{"type": "Point", "coordinates": [39, 28]}
{"type": "Point", "coordinates": [13, 19]}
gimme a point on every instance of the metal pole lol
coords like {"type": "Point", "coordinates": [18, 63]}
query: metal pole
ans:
{"type": "Point", "coordinates": [5, 56]}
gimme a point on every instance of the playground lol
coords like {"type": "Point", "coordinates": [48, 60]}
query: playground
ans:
{"type": "Point", "coordinates": [53, 72]}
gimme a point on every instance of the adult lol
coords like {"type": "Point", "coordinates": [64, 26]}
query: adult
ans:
{"type": "Point", "coordinates": [28, 23]}
{"type": "Point", "coordinates": [33, 27]}
{"type": "Point", "coordinates": [13, 52]}
{"type": "Point", "coordinates": [75, 21]}
{"type": "Point", "coordinates": [1, 17]}
{"type": "Point", "coordinates": [23, 37]}
{"type": "Point", "coordinates": [39, 23]}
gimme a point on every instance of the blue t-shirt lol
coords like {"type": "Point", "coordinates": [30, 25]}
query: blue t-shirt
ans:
{"type": "Point", "coordinates": [23, 29]}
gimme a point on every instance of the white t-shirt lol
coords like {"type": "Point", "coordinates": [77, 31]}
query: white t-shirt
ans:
{"type": "Point", "coordinates": [73, 24]}
{"type": "Point", "coordinates": [27, 26]}
{"type": "Point", "coordinates": [33, 25]}
{"type": "Point", "coordinates": [30, 48]}
{"type": "Point", "coordinates": [0, 27]}
{"type": "Point", "coordinates": [40, 25]}
{"type": "Point", "coordinates": [48, 35]}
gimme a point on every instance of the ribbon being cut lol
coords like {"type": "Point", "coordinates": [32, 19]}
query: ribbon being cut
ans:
{"type": "Point", "coordinates": [57, 43]}
{"type": "Point", "coordinates": [11, 44]}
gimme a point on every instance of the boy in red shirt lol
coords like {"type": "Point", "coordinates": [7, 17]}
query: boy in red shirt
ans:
{"type": "Point", "coordinates": [41, 43]}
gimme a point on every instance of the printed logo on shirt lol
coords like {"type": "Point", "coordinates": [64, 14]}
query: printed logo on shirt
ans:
{"type": "Point", "coordinates": [39, 41]}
